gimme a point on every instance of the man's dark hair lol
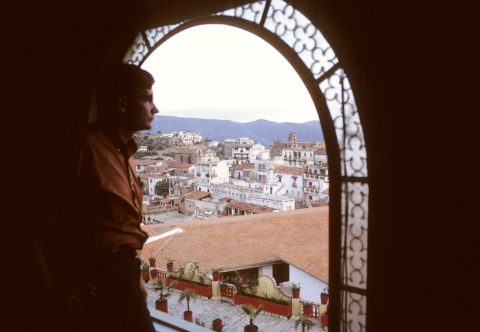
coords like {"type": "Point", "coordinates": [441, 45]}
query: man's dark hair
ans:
{"type": "Point", "coordinates": [115, 80]}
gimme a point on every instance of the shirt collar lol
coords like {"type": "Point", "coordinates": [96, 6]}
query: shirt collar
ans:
{"type": "Point", "coordinates": [128, 148]}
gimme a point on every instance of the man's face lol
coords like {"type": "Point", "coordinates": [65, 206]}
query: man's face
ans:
{"type": "Point", "coordinates": [141, 110]}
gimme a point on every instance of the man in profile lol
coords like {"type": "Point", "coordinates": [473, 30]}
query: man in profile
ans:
{"type": "Point", "coordinates": [93, 247]}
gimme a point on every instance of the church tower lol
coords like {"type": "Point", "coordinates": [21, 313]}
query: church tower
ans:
{"type": "Point", "coordinates": [292, 141]}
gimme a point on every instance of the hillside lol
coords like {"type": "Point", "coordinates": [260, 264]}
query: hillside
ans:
{"type": "Point", "coordinates": [262, 131]}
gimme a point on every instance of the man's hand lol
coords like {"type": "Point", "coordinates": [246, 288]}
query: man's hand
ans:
{"type": "Point", "coordinates": [143, 290]}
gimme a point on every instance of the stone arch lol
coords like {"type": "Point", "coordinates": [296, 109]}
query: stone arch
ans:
{"type": "Point", "coordinates": [303, 45]}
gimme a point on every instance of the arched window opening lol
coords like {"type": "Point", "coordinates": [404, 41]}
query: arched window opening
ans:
{"type": "Point", "coordinates": [294, 35]}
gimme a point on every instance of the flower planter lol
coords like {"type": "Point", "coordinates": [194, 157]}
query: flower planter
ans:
{"type": "Point", "coordinates": [223, 289]}
{"type": "Point", "coordinates": [182, 285]}
{"type": "Point", "coordinates": [278, 309]}
{"type": "Point", "coordinates": [154, 273]}
{"type": "Point", "coordinates": [325, 320]}
{"type": "Point", "coordinates": [145, 276]}
{"type": "Point", "coordinates": [250, 328]}
{"type": "Point", "coordinates": [219, 325]}
{"type": "Point", "coordinates": [188, 316]}
{"type": "Point", "coordinates": [162, 306]}
{"type": "Point", "coordinates": [152, 262]}
{"type": "Point", "coordinates": [324, 299]}
{"type": "Point", "coordinates": [296, 294]}
{"type": "Point", "coordinates": [169, 266]}
{"type": "Point", "coordinates": [216, 276]}
{"type": "Point", "coordinates": [308, 311]}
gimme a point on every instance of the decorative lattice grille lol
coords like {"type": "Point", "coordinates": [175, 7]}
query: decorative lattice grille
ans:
{"type": "Point", "coordinates": [301, 35]}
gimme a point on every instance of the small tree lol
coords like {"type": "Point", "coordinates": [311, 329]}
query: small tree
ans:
{"type": "Point", "coordinates": [161, 286]}
{"type": "Point", "coordinates": [305, 322]}
{"type": "Point", "coordinates": [252, 312]}
{"type": "Point", "coordinates": [161, 188]}
{"type": "Point", "coordinates": [188, 294]}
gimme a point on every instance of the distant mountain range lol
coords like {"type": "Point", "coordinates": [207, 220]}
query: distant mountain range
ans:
{"type": "Point", "coordinates": [262, 131]}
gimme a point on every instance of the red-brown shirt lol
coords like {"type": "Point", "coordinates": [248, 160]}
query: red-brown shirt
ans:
{"type": "Point", "coordinates": [105, 196]}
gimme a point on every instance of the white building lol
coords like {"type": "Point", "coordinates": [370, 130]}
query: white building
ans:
{"type": "Point", "coordinates": [244, 152]}
{"type": "Point", "coordinates": [320, 156]}
{"type": "Point", "coordinates": [264, 168]}
{"type": "Point", "coordinates": [270, 195]}
{"type": "Point", "coordinates": [142, 148]}
{"type": "Point", "coordinates": [292, 179]}
{"type": "Point", "coordinates": [244, 171]}
{"type": "Point", "coordinates": [173, 134]}
{"type": "Point", "coordinates": [141, 165]}
{"type": "Point", "coordinates": [208, 173]}
{"type": "Point", "coordinates": [190, 138]}
{"type": "Point", "coordinates": [314, 185]}
{"type": "Point", "coordinates": [308, 266]}
{"type": "Point", "coordinates": [296, 155]}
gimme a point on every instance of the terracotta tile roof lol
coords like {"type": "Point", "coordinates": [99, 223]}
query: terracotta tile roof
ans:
{"type": "Point", "coordinates": [305, 144]}
{"type": "Point", "coordinates": [321, 151]}
{"type": "Point", "coordinates": [156, 229]}
{"type": "Point", "coordinates": [241, 146]}
{"type": "Point", "coordinates": [318, 203]}
{"type": "Point", "coordinates": [178, 164]}
{"type": "Point", "coordinates": [234, 242]}
{"type": "Point", "coordinates": [288, 170]}
{"type": "Point", "coordinates": [144, 176]}
{"type": "Point", "coordinates": [226, 199]}
{"type": "Point", "coordinates": [156, 169]}
{"type": "Point", "coordinates": [144, 162]}
{"type": "Point", "coordinates": [186, 190]}
{"type": "Point", "coordinates": [185, 151]}
{"type": "Point", "coordinates": [197, 195]}
{"type": "Point", "coordinates": [244, 166]}
{"type": "Point", "coordinates": [165, 200]}
{"type": "Point", "coordinates": [312, 259]}
{"type": "Point", "coordinates": [249, 207]}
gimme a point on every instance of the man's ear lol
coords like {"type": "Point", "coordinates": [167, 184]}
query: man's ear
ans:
{"type": "Point", "coordinates": [122, 103]}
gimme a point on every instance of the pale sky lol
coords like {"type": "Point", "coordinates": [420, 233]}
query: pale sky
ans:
{"type": "Point", "coordinates": [226, 73]}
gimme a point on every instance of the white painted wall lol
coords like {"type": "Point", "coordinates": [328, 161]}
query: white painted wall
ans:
{"type": "Point", "coordinates": [310, 287]}
{"type": "Point", "coordinates": [266, 269]}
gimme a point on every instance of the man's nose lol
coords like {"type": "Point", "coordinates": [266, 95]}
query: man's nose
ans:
{"type": "Point", "coordinates": [155, 109]}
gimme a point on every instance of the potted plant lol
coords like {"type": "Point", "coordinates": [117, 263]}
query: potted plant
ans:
{"type": "Point", "coordinates": [188, 294]}
{"type": "Point", "coordinates": [216, 273]}
{"type": "Point", "coordinates": [217, 325]}
{"type": "Point", "coordinates": [199, 322]}
{"type": "Point", "coordinates": [223, 286]}
{"type": "Point", "coordinates": [152, 260]}
{"type": "Point", "coordinates": [296, 290]}
{"type": "Point", "coordinates": [324, 295]}
{"type": "Point", "coordinates": [305, 322]}
{"type": "Point", "coordinates": [160, 286]}
{"type": "Point", "coordinates": [169, 263]}
{"type": "Point", "coordinates": [154, 273]}
{"type": "Point", "coordinates": [252, 312]}
{"type": "Point", "coordinates": [145, 271]}
{"type": "Point", "coordinates": [307, 309]}
{"type": "Point", "coordinates": [325, 318]}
